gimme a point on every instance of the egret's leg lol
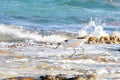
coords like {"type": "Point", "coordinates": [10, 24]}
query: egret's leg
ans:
{"type": "Point", "coordinates": [82, 50]}
{"type": "Point", "coordinates": [73, 53]}
{"type": "Point", "coordinates": [58, 45]}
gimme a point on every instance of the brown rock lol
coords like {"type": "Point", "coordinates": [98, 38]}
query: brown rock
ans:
{"type": "Point", "coordinates": [104, 39]}
{"type": "Point", "coordinates": [28, 79]}
{"type": "Point", "coordinates": [21, 78]}
{"type": "Point", "coordinates": [84, 37]}
{"type": "Point", "coordinates": [50, 77]}
{"type": "Point", "coordinates": [103, 59]}
{"type": "Point", "coordinates": [115, 39]}
{"type": "Point", "coordinates": [92, 40]}
{"type": "Point", "coordinates": [15, 78]}
{"type": "Point", "coordinates": [91, 77]}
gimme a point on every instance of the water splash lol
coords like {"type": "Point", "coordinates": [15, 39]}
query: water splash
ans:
{"type": "Point", "coordinates": [116, 33]}
{"type": "Point", "coordinates": [93, 29]}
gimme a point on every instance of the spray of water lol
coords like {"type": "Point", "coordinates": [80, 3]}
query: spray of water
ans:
{"type": "Point", "coordinates": [97, 32]}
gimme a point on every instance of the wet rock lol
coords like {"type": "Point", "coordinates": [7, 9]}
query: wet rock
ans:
{"type": "Point", "coordinates": [66, 77]}
{"type": "Point", "coordinates": [57, 77]}
{"type": "Point", "coordinates": [92, 40]}
{"type": "Point", "coordinates": [17, 45]}
{"type": "Point", "coordinates": [21, 78]}
{"type": "Point", "coordinates": [91, 77]}
{"type": "Point", "coordinates": [112, 39]}
{"type": "Point", "coordinates": [104, 39]}
{"type": "Point", "coordinates": [103, 59]}
{"type": "Point", "coordinates": [29, 79]}
{"type": "Point", "coordinates": [115, 39]}
{"type": "Point", "coordinates": [50, 77]}
{"type": "Point", "coordinates": [79, 78]}
{"type": "Point", "coordinates": [84, 37]}
{"type": "Point", "coordinates": [15, 78]}
{"type": "Point", "coordinates": [61, 77]}
{"type": "Point", "coordinates": [47, 77]}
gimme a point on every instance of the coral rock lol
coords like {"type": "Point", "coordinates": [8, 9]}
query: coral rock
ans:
{"type": "Point", "coordinates": [92, 40]}
{"type": "Point", "coordinates": [104, 39]}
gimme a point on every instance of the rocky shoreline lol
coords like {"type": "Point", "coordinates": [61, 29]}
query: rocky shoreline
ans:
{"type": "Point", "coordinates": [27, 61]}
{"type": "Point", "coordinates": [57, 77]}
{"type": "Point", "coordinates": [112, 39]}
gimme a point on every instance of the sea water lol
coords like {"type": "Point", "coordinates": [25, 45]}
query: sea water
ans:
{"type": "Point", "coordinates": [35, 21]}
{"type": "Point", "coordinates": [66, 17]}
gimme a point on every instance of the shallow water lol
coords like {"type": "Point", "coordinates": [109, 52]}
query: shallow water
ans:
{"type": "Point", "coordinates": [44, 23]}
{"type": "Point", "coordinates": [45, 59]}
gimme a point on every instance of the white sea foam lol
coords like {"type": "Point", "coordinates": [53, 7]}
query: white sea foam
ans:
{"type": "Point", "coordinates": [97, 32]}
{"type": "Point", "coordinates": [82, 32]}
{"type": "Point", "coordinates": [116, 33]}
{"type": "Point", "coordinates": [102, 71]}
{"type": "Point", "coordinates": [17, 32]}
{"type": "Point", "coordinates": [80, 61]}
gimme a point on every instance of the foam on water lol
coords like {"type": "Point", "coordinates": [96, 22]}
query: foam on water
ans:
{"type": "Point", "coordinates": [16, 32]}
{"type": "Point", "coordinates": [116, 33]}
{"type": "Point", "coordinates": [62, 15]}
{"type": "Point", "coordinates": [12, 33]}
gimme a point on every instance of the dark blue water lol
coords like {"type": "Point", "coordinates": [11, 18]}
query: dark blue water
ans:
{"type": "Point", "coordinates": [68, 15]}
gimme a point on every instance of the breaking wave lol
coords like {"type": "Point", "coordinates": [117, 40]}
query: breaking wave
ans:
{"type": "Point", "coordinates": [12, 33]}
{"type": "Point", "coordinates": [17, 33]}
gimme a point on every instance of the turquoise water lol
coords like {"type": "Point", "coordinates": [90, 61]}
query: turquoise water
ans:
{"type": "Point", "coordinates": [68, 15]}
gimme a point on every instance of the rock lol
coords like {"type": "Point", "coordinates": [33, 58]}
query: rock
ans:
{"type": "Point", "coordinates": [104, 39]}
{"type": "Point", "coordinates": [50, 77]}
{"type": "Point", "coordinates": [17, 45]}
{"type": "Point", "coordinates": [84, 37]}
{"type": "Point", "coordinates": [91, 77]}
{"type": "Point", "coordinates": [57, 77]}
{"type": "Point", "coordinates": [92, 40]}
{"type": "Point", "coordinates": [79, 78]}
{"type": "Point", "coordinates": [102, 59]}
{"type": "Point", "coordinates": [21, 78]}
{"type": "Point", "coordinates": [60, 77]}
{"type": "Point", "coordinates": [28, 79]}
{"type": "Point", "coordinates": [115, 39]}
{"type": "Point", "coordinates": [15, 78]}
{"type": "Point", "coordinates": [112, 39]}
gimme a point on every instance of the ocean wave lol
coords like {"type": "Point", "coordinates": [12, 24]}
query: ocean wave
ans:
{"type": "Point", "coordinates": [18, 33]}
{"type": "Point", "coordinates": [22, 33]}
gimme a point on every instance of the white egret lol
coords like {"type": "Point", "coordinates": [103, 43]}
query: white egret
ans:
{"type": "Point", "coordinates": [73, 43]}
